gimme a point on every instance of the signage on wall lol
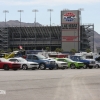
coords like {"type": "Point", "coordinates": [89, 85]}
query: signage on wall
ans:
{"type": "Point", "coordinates": [69, 38]}
{"type": "Point", "coordinates": [70, 26]}
{"type": "Point", "coordinates": [69, 16]}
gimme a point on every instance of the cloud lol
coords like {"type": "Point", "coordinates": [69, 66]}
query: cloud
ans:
{"type": "Point", "coordinates": [46, 2]}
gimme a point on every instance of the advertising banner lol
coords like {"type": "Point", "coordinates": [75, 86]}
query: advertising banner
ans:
{"type": "Point", "coordinates": [70, 25]}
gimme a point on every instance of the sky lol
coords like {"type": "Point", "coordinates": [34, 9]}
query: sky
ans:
{"type": "Point", "coordinates": [90, 13]}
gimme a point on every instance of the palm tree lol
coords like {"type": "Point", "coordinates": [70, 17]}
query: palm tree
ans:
{"type": "Point", "coordinates": [47, 48]}
{"type": "Point", "coordinates": [73, 51]}
{"type": "Point", "coordinates": [88, 50]}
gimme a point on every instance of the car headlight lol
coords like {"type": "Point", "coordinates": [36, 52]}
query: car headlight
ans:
{"type": "Point", "coordinates": [47, 62]}
{"type": "Point", "coordinates": [92, 62]}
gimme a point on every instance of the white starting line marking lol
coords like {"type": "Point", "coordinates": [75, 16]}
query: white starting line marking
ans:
{"type": "Point", "coordinates": [2, 92]}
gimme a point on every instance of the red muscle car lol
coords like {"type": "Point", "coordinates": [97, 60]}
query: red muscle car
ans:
{"type": "Point", "coordinates": [6, 65]}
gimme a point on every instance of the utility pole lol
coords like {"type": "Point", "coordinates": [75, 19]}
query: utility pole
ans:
{"type": "Point", "coordinates": [50, 10]}
{"type": "Point", "coordinates": [5, 11]}
{"type": "Point", "coordinates": [35, 10]}
{"type": "Point", "coordinates": [20, 11]}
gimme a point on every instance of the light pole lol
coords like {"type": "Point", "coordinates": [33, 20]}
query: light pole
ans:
{"type": "Point", "coordinates": [20, 15]}
{"type": "Point", "coordinates": [81, 9]}
{"type": "Point", "coordinates": [50, 10]}
{"type": "Point", "coordinates": [35, 10]}
{"type": "Point", "coordinates": [20, 11]}
{"type": "Point", "coordinates": [5, 11]}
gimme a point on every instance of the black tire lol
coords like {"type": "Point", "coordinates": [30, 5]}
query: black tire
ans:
{"type": "Point", "coordinates": [42, 66]}
{"type": "Point", "coordinates": [56, 66]}
{"type": "Point", "coordinates": [24, 67]}
{"type": "Point", "coordinates": [6, 67]}
{"type": "Point", "coordinates": [85, 66]}
{"type": "Point", "coordinates": [72, 66]}
{"type": "Point", "coordinates": [96, 66]}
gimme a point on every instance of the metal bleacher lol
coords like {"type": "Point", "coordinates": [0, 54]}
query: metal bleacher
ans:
{"type": "Point", "coordinates": [87, 37]}
{"type": "Point", "coordinates": [4, 38]}
{"type": "Point", "coordinates": [35, 37]}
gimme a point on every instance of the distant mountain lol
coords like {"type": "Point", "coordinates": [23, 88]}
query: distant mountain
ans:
{"type": "Point", "coordinates": [15, 23]}
{"type": "Point", "coordinates": [96, 40]}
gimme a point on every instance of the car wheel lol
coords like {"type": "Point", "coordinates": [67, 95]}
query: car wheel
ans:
{"type": "Point", "coordinates": [56, 66]}
{"type": "Point", "coordinates": [72, 66]}
{"type": "Point", "coordinates": [6, 67]}
{"type": "Point", "coordinates": [85, 66]}
{"type": "Point", "coordinates": [24, 67]}
{"type": "Point", "coordinates": [42, 66]}
{"type": "Point", "coordinates": [96, 66]}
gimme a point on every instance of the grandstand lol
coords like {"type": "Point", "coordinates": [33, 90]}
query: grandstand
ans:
{"type": "Point", "coordinates": [35, 37]}
{"type": "Point", "coordinates": [41, 37]}
{"type": "Point", "coordinates": [70, 35]}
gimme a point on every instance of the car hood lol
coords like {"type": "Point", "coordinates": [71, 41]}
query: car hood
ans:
{"type": "Point", "coordinates": [76, 61]}
{"type": "Point", "coordinates": [60, 62]}
{"type": "Point", "coordinates": [47, 60]}
{"type": "Point", "coordinates": [11, 62]}
{"type": "Point", "coordinates": [90, 59]}
{"type": "Point", "coordinates": [32, 62]}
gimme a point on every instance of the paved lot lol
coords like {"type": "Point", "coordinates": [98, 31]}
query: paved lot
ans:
{"type": "Point", "coordinates": [76, 84]}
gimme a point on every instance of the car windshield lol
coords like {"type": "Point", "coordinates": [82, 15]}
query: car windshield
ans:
{"type": "Point", "coordinates": [22, 60]}
{"type": "Point", "coordinates": [52, 59]}
{"type": "Point", "coordinates": [69, 60]}
{"type": "Point", "coordinates": [3, 60]}
{"type": "Point", "coordinates": [82, 58]}
{"type": "Point", "coordinates": [41, 57]}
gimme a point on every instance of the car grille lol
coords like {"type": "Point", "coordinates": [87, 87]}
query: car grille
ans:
{"type": "Point", "coordinates": [64, 64]}
{"type": "Point", "coordinates": [80, 64]}
{"type": "Point", "coordinates": [33, 64]}
{"type": "Point", "coordinates": [92, 62]}
{"type": "Point", "coordinates": [52, 62]}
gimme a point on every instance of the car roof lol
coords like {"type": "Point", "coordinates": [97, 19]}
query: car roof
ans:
{"type": "Point", "coordinates": [76, 55]}
{"type": "Point", "coordinates": [17, 58]}
{"type": "Point", "coordinates": [60, 58]}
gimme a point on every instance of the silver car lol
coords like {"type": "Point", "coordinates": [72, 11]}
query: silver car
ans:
{"type": "Point", "coordinates": [24, 63]}
{"type": "Point", "coordinates": [60, 64]}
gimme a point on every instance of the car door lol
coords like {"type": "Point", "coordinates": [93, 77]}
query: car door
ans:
{"type": "Point", "coordinates": [63, 60]}
{"type": "Point", "coordinates": [72, 57]}
{"type": "Point", "coordinates": [29, 58]}
{"type": "Point", "coordinates": [76, 58]}
{"type": "Point", "coordinates": [13, 60]}
{"type": "Point", "coordinates": [35, 59]}
{"type": "Point", "coordinates": [1, 64]}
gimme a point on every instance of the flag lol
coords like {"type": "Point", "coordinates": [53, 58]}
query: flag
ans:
{"type": "Point", "coordinates": [20, 47]}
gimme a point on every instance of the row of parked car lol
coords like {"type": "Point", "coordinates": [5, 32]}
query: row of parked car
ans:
{"type": "Point", "coordinates": [37, 61]}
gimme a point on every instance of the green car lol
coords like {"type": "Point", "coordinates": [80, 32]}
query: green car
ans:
{"type": "Point", "coordinates": [71, 64]}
